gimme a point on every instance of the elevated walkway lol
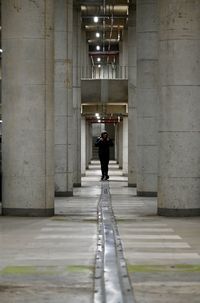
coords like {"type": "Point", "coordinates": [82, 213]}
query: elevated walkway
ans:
{"type": "Point", "coordinates": [53, 259]}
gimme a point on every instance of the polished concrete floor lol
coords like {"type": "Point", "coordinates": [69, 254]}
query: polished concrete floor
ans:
{"type": "Point", "coordinates": [52, 259]}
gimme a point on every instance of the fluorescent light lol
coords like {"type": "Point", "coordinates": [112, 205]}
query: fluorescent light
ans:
{"type": "Point", "coordinates": [98, 59]}
{"type": "Point", "coordinates": [96, 19]}
{"type": "Point", "coordinates": [98, 47]}
{"type": "Point", "coordinates": [97, 35]}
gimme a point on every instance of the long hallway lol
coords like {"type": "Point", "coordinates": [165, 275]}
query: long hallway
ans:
{"type": "Point", "coordinates": [53, 259]}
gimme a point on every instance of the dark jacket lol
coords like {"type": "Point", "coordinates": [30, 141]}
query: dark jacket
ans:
{"type": "Point", "coordinates": [104, 147]}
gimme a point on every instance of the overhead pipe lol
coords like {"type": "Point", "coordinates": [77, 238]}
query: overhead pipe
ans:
{"type": "Point", "coordinates": [104, 10]}
{"type": "Point", "coordinates": [111, 30]}
{"type": "Point", "coordinates": [106, 53]}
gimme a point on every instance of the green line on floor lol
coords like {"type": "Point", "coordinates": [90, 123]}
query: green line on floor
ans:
{"type": "Point", "coordinates": [79, 268]}
{"type": "Point", "coordinates": [29, 270]}
{"type": "Point", "coordinates": [164, 268]}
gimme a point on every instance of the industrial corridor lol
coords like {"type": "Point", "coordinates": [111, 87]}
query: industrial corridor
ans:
{"type": "Point", "coordinates": [115, 81]}
{"type": "Point", "coordinates": [64, 258]}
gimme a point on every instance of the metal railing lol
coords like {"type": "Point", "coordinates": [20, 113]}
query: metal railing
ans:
{"type": "Point", "coordinates": [104, 72]}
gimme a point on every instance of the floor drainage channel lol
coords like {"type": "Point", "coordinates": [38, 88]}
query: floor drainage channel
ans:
{"type": "Point", "coordinates": [112, 284]}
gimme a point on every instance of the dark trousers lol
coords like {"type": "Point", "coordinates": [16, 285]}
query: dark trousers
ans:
{"type": "Point", "coordinates": [104, 165]}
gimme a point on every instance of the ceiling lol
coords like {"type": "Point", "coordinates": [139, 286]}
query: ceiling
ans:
{"type": "Point", "coordinates": [112, 20]}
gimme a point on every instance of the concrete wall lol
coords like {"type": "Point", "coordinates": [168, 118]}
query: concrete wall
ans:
{"type": "Point", "coordinates": [120, 144]}
{"type": "Point", "coordinates": [63, 95]}
{"type": "Point", "coordinates": [125, 146]}
{"type": "Point", "coordinates": [27, 108]}
{"type": "Point", "coordinates": [77, 95]}
{"type": "Point", "coordinates": [104, 90]}
{"type": "Point", "coordinates": [83, 146]}
{"type": "Point", "coordinates": [132, 102]}
{"type": "Point", "coordinates": [179, 129]}
{"type": "Point", "coordinates": [147, 97]}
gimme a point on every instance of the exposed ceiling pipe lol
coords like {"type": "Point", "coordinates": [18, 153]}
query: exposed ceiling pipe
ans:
{"type": "Point", "coordinates": [92, 28]}
{"type": "Point", "coordinates": [108, 11]}
{"type": "Point", "coordinates": [106, 41]}
{"type": "Point", "coordinates": [111, 30]}
{"type": "Point", "coordinates": [106, 16]}
{"type": "Point", "coordinates": [107, 53]}
{"type": "Point", "coordinates": [104, 22]}
{"type": "Point", "coordinates": [92, 60]}
{"type": "Point", "coordinates": [103, 10]}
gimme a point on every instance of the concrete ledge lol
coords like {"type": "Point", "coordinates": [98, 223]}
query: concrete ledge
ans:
{"type": "Point", "coordinates": [63, 193]}
{"type": "Point", "coordinates": [28, 212]}
{"type": "Point", "coordinates": [77, 184]}
{"type": "Point", "coordinates": [171, 212]}
{"type": "Point", "coordinates": [146, 194]}
{"type": "Point", "coordinates": [132, 185]}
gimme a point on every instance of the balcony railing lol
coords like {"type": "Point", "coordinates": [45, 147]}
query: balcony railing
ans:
{"type": "Point", "coordinates": [104, 72]}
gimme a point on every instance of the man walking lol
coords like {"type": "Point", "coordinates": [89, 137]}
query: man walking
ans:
{"type": "Point", "coordinates": [104, 143]}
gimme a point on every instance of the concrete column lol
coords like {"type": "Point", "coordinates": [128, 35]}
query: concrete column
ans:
{"type": "Point", "coordinates": [147, 97]}
{"type": "Point", "coordinates": [83, 55]}
{"type": "Point", "coordinates": [83, 146]}
{"type": "Point", "coordinates": [116, 143]}
{"type": "Point", "coordinates": [88, 143]}
{"type": "Point", "coordinates": [179, 129]}
{"type": "Point", "coordinates": [123, 56]}
{"type": "Point", "coordinates": [125, 48]}
{"type": "Point", "coordinates": [77, 95]}
{"type": "Point", "coordinates": [125, 146]}
{"type": "Point", "coordinates": [120, 53]}
{"type": "Point", "coordinates": [27, 108]}
{"type": "Point", "coordinates": [132, 104]}
{"type": "Point", "coordinates": [120, 145]}
{"type": "Point", "coordinates": [64, 132]}
{"type": "Point", "coordinates": [85, 59]}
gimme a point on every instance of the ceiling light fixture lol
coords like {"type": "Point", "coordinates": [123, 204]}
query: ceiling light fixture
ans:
{"type": "Point", "coordinates": [96, 19]}
{"type": "Point", "coordinates": [98, 59]}
{"type": "Point", "coordinates": [98, 47]}
{"type": "Point", "coordinates": [97, 35]}
{"type": "Point", "coordinates": [99, 65]}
